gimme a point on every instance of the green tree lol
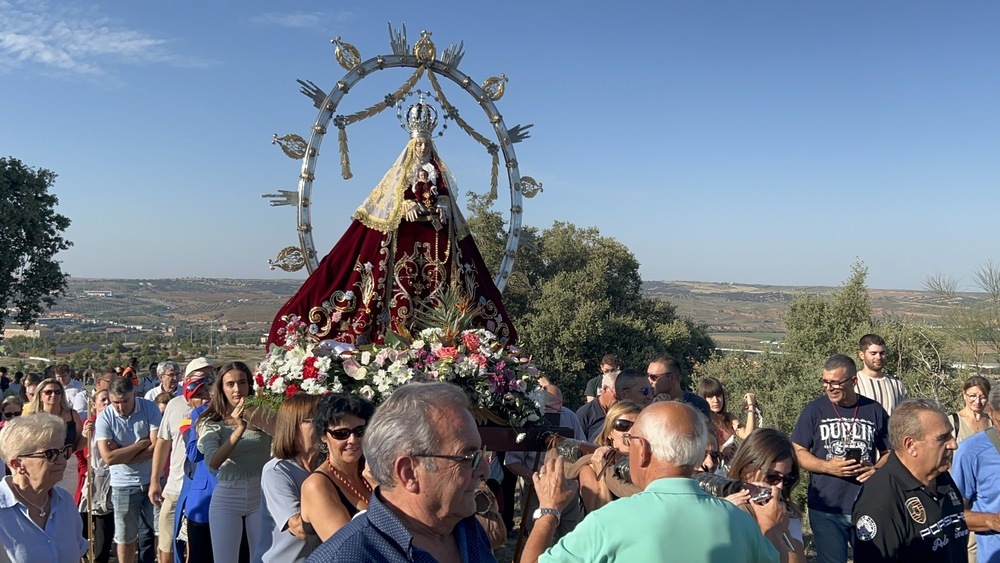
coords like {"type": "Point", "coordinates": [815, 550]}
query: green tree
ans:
{"type": "Point", "coordinates": [580, 298]}
{"type": "Point", "coordinates": [30, 236]}
{"type": "Point", "coordinates": [818, 327]}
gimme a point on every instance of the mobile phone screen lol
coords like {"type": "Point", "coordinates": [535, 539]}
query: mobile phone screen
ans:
{"type": "Point", "coordinates": [853, 454]}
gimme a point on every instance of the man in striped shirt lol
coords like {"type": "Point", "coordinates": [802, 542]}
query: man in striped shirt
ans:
{"type": "Point", "coordinates": [880, 387]}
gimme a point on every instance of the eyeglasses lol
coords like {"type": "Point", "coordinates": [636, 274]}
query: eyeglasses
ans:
{"type": "Point", "coordinates": [50, 392]}
{"type": "Point", "coordinates": [622, 425]}
{"type": "Point", "coordinates": [835, 384]}
{"type": "Point", "coordinates": [654, 376]}
{"type": "Point", "coordinates": [11, 414]}
{"type": "Point", "coordinates": [774, 478]}
{"type": "Point", "coordinates": [975, 398]}
{"type": "Point", "coordinates": [645, 390]}
{"type": "Point", "coordinates": [474, 458]}
{"type": "Point", "coordinates": [626, 438]}
{"type": "Point", "coordinates": [344, 433]}
{"type": "Point", "coordinates": [52, 454]}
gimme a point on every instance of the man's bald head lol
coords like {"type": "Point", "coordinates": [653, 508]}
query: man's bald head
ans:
{"type": "Point", "coordinates": [676, 435]}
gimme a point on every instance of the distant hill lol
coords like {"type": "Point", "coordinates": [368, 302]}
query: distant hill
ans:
{"type": "Point", "coordinates": [724, 307]}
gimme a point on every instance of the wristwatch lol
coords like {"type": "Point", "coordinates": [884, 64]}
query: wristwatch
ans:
{"type": "Point", "coordinates": [539, 512]}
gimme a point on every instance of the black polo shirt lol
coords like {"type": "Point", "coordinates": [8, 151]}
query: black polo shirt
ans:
{"type": "Point", "coordinates": [897, 518]}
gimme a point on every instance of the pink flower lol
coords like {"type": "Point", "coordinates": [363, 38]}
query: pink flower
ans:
{"type": "Point", "coordinates": [447, 352]}
{"type": "Point", "coordinates": [479, 359]}
{"type": "Point", "coordinates": [471, 341]}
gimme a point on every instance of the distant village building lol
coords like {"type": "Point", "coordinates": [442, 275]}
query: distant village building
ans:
{"type": "Point", "coordinates": [33, 332]}
{"type": "Point", "coordinates": [89, 293]}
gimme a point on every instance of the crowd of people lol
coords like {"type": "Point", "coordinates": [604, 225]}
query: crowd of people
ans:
{"type": "Point", "coordinates": [173, 465]}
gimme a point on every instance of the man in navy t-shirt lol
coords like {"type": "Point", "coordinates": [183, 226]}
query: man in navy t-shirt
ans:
{"type": "Point", "coordinates": [840, 439]}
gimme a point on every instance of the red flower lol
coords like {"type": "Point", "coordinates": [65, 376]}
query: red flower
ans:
{"type": "Point", "coordinates": [447, 352]}
{"type": "Point", "coordinates": [259, 380]}
{"type": "Point", "coordinates": [292, 389]}
{"type": "Point", "coordinates": [309, 370]}
{"type": "Point", "coordinates": [480, 359]}
{"type": "Point", "coordinates": [471, 341]}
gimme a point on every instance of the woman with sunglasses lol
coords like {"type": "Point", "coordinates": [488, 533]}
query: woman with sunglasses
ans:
{"type": "Point", "coordinates": [237, 452]}
{"type": "Point", "coordinates": [766, 459]}
{"type": "Point", "coordinates": [283, 538]}
{"type": "Point", "coordinates": [11, 408]}
{"type": "Point", "coordinates": [38, 521]}
{"type": "Point", "coordinates": [593, 477]}
{"type": "Point", "coordinates": [337, 489]}
{"type": "Point", "coordinates": [725, 425]}
{"type": "Point", "coordinates": [50, 398]}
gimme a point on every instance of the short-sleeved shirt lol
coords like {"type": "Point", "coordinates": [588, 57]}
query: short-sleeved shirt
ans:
{"type": "Point", "coordinates": [976, 471]}
{"type": "Point", "coordinates": [672, 520]}
{"type": "Point", "coordinates": [21, 540]}
{"type": "Point", "coordinates": [591, 417]}
{"type": "Point", "coordinates": [897, 518]}
{"type": "Point", "coordinates": [593, 386]}
{"type": "Point", "coordinates": [144, 422]}
{"type": "Point", "coordinates": [155, 392]}
{"type": "Point", "coordinates": [245, 461]}
{"type": "Point", "coordinates": [827, 430]}
{"type": "Point", "coordinates": [170, 429]}
{"type": "Point", "coordinates": [379, 535]}
{"type": "Point", "coordinates": [887, 390]}
{"type": "Point", "coordinates": [281, 484]}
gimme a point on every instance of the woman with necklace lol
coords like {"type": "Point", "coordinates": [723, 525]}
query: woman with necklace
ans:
{"type": "Point", "coordinates": [975, 416]}
{"type": "Point", "coordinates": [38, 521]}
{"type": "Point", "coordinates": [238, 452]}
{"type": "Point", "coordinates": [283, 538]}
{"type": "Point", "coordinates": [337, 489]}
{"type": "Point", "coordinates": [50, 398]}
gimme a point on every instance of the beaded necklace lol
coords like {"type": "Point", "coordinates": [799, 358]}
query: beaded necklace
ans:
{"type": "Point", "coordinates": [343, 479]}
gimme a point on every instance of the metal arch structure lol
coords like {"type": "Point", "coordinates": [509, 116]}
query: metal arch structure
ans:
{"type": "Point", "coordinates": [327, 113]}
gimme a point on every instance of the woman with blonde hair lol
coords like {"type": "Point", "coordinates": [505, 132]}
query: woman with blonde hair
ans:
{"type": "Point", "coordinates": [38, 521]}
{"type": "Point", "coordinates": [50, 398]}
{"type": "Point", "coordinates": [593, 477]}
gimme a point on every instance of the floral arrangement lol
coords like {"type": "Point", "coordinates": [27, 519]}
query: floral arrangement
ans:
{"type": "Point", "coordinates": [500, 384]}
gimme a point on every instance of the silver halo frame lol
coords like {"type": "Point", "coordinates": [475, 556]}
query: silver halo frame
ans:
{"type": "Point", "coordinates": [327, 113]}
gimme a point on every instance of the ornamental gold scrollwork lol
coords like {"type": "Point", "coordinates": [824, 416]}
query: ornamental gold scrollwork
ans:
{"type": "Point", "coordinates": [530, 187]}
{"type": "Point", "coordinates": [424, 49]}
{"type": "Point", "coordinates": [494, 86]}
{"type": "Point", "coordinates": [347, 55]}
{"type": "Point", "coordinates": [518, 283]}
{"type": "Point", "coordinates": [289, 259]}
{"type": "Point", "coordinates": [341, 304]}
{"type": "Point", "coordinates": [294, 146]}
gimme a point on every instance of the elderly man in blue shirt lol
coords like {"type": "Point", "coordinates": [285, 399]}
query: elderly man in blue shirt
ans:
{"type": "Point", "coordinates": [423, 448]}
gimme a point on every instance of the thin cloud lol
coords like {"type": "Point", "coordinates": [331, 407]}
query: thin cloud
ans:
{"type": "Point", "coordinates": [76, 40]}
{"type": "Point", "coordinates": [300, 20]}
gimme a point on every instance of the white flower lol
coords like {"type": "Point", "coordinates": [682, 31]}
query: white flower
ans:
{"type": "Point", "coordinates": [417, 344]}
{"type": "Point", "coordinates": [366, 357]}
{"type": "Point", "coordinates": [367, 392]}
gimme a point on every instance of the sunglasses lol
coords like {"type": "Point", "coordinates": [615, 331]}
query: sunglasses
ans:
{"type": "Point", "coordinates": [50, 392]}
{"type": "Point", "coordinates": [344, 433]}
{"type": "Point", "coordinates": [474, 458]}
{"type": "Point", "coordinates": [52, 454]}
{"type": "Point", "coordinates": [774, 479]}
{"type": "Point", "coordinates": [622, 425]}
{"type": "Point", "coordinates": [645, 390]}
{"type": "Point", "coordinates": [11, 414]}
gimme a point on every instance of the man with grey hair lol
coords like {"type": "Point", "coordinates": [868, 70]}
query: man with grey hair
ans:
{"type": "Point", "coordinates": [627, 384]}
{"type": "Point", "coordinates": [423, 448]}
{"type": "Point", "coordinates": [672, 519]}
{"type": "Point", "coordinates": [167, 372]}
{"type": "Point", "coordinates": [910, 510]}
{"type": "Point", "coordinates": [977, 464]}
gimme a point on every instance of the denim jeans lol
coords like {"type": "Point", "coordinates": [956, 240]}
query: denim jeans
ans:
{"type": "Point", "coordinates": [134, 519]}
{"type": "Point", "coordinates": [831, 534]}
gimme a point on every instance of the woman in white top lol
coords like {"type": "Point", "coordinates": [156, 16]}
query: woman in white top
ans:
{"type": "Point", "coordinates": [38, 521]}
{"type": "Point", "coordinates": [975, 416]}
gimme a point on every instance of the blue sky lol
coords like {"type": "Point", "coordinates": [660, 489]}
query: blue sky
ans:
{"type": "Point", "coordinates": [760, 142]}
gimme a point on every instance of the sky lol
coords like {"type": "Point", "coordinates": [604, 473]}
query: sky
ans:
{"type": "Point", "coordinates": [772, 142]}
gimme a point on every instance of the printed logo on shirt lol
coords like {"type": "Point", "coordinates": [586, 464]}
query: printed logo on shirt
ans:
{"type": "Point", "coordinates": [866, 529]}
{"type": "Point", "coordinates": [916, 510]}
{"type": "Point", "coordinates": [838, 435]}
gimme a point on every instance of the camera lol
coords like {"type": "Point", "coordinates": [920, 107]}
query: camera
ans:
{"type": "Point", "coordinates": [721, 487]}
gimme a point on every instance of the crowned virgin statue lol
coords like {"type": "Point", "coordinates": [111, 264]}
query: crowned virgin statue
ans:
{"type": "Point", "coordinates": [408, 243]}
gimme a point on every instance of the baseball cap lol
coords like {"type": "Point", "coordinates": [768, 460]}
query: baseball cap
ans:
{"type": "Point", "coordinates": [197, 364]}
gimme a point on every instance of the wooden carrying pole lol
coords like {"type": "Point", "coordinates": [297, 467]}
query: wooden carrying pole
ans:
{"type": "Point", "coordinates": [90, 486]}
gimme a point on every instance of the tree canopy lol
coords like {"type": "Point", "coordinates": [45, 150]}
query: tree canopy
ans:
{"type": "Point", "coordinates": [30, 236]}
{"type": "Point", "coordinates": [582, 299]}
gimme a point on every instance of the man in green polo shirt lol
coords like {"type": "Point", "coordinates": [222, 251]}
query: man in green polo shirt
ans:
{"type": "Point", "coordinates": [672, 519]}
